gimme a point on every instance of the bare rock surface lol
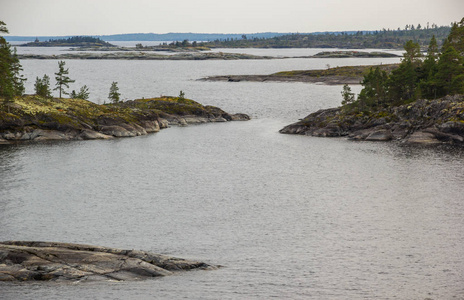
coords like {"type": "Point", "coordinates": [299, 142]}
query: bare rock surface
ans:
{"type": "Point", "coordinates": [51, 261]}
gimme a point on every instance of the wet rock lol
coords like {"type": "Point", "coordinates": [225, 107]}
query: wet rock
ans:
{"type": "Point", "coordinates": [240, 117]}
{"type": "Point", "coordinates": [24, 261]}
{"type": "Point", "coordinates": [117, 131]}
{"type": "Point", "coordinates": [92, 135]}
{"type": "Point", "coordinates": [380, 136]}
{"type": "Point", "coordinates": [423, 138]}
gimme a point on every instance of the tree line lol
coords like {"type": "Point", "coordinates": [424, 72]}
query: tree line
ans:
{"type": "Point", "coordinates": [385, 38]}
{"type": "Point", "coordinates": [437, 74]}
{"type": "Point", "coordinates": [73, 41]}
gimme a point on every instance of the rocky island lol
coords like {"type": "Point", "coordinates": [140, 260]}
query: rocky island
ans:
{"type": "Point", "coordinates": [330, 76]}
{"type": "Point", "coordinates": [439, 121]}
{"type": "Point", "coordinates": [65, 262]}
{"type": "Point", "coordinates": [421, 101]}
{"type": "Point", "coordinates": [140, 54]}
{"type": "Point", "coordinates": [36, 118]}
{"type": "Point", "coordinates": [75, 41]}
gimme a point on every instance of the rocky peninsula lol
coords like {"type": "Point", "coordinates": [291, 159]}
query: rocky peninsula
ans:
{"type": "Point", "coordinates": [64, 262]}
{"type": "Point", "coordinates": [330, 76]}
{"type": "Point", "coordinates": [425, 122]}
{"type": "Point", "coordinates": [35, 118]}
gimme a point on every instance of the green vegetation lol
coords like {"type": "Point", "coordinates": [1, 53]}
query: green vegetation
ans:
{"type": "Point", "coordinates": [76, 41]}
{"type": "Point", "coordinates": [42, 86]}
{"type": "Point", "coordinates": [82, 94]}
{"type": "Point", "coordinates": [114, 94]}
{"type": "Point", "coordinates": [438, 75]}
{"type": "Point", "coordinates": [381, 39]}
{"type": "Point", "coordinates": [346, 71]}
{"type": "Point", "coordinates": [62, 80]}
{"type": "Point", "coordinates": [31, 112]}
{"type": "Point", "coordinates": [11, 82]}
{"type": "Point", "coordinates": [185, 45]}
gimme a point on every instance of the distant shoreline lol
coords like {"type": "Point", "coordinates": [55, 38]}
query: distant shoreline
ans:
{"type": "Point", "coordinates": [149, 55]}
{"type": "Point", "coordinates": [331, 76]}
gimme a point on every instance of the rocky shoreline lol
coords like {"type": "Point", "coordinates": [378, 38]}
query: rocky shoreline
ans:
{"type": "Point", "coordinates": [330, 76]}
{"type": "Point", "coordinates": [424, 122]}
{"type": "Point", "coordinates": [33, 118]}
{"type": "Point", "coordinates": [143, 55]}
{"type": "Point", "coordinates": [329, 80]}
{"type": "Point", "coordinates": [130, 54]}
{"type": "Point", "coordinates": [65, 262]}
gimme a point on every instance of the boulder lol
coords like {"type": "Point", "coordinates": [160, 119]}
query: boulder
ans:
{"type": "Point", "coordinates": [117, 131]}
{"type": "Point", "coordinates": [24, 261]}
{"type": "Point", "coordinates": [382, 135]}
{"type": "Point", "coordinates": [240, 117]}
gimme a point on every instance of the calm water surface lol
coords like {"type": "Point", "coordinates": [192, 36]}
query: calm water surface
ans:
{"type": "Point", "coordinates": [287, 216]}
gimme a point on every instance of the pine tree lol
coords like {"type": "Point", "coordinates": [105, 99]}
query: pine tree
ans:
{"type": "Point", "coordinates": [450, 72]}
{"type": "Point", "coordinates": [114, 93]}
{"type": "Point", "coordinates": [456, 37]}
{"type": "Point", "coordinates": [11, 81]}
{"type": "Point", "coordinates": [413, 53]}
{"type": "Point", "coordinates": [427, 83]}
{"type": "Point", "coordinates": [82, 94]}
{"type": "Point", "coordinates": [62, 80]}
{"type": "Point", "coordinates": [374, 92]}
{"type": "Point", "coordinates": [42, 86]}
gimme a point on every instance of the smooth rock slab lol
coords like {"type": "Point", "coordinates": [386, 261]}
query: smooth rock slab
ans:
{"type": "Point", "coordinates": [23, 261]}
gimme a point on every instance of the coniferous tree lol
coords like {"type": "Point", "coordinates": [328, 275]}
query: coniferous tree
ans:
{"type": "Point", "coordinates": [62, 80]}
{"type": "Point", "coordinates": [42, 86]}
{"type": "Point", "coordinates": [450, 72]}
{"type": "Point", "coordinates": [427, 83]}
{"type": "Point", "coordinates": [114, 93]}
{"type": "Point", "coordinates": [374, 92]}
{"type": "Point", "coordinates": [456, 37]}
{"type": "Point", "coordinates": [181, 97]}
{"type": "Point", "coordinates": [11, 81]}
{"type": "Point", "coordinates": [82, 94]}
{"type": "Point", "coordinates": [348, 96]}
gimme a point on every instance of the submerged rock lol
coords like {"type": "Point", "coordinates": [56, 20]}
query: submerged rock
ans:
{"type": "Point", "coordinates": [24, 261]}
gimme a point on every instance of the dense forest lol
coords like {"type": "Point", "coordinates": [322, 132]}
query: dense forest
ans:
{"type": "Point", "coordinates": [76, 41]}
{"type": "Point", "coordinates": [437, 74]}
{"type": "Point", "coordinates": [384, 39]}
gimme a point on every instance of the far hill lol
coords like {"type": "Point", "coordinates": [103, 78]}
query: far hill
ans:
{"type": "Point", "coordinates": [75, 41]}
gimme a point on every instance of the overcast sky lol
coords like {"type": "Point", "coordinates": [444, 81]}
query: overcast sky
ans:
{"type": "Point", "coordinates": [99, 17]}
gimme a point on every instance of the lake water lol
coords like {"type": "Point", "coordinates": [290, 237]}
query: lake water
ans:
{"type": "Point", "coordinates": [289, 217]}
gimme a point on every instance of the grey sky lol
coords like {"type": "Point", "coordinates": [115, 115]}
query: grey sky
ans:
{"type": "Point", "coordinates": [87, 17]}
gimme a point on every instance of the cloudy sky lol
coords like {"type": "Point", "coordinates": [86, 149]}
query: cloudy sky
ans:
{"type": "Point", "coordinates": [98, 17]}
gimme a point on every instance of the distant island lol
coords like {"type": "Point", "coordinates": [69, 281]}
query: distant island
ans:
{"type": "Point", "coordinates": [330, 76]}
{"type": "Point", "coordinates": [379, 39]}
{"type": "Point", "coordinates": [76, 41]}
{"type": "Point", "coordinates": [195, 55]}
